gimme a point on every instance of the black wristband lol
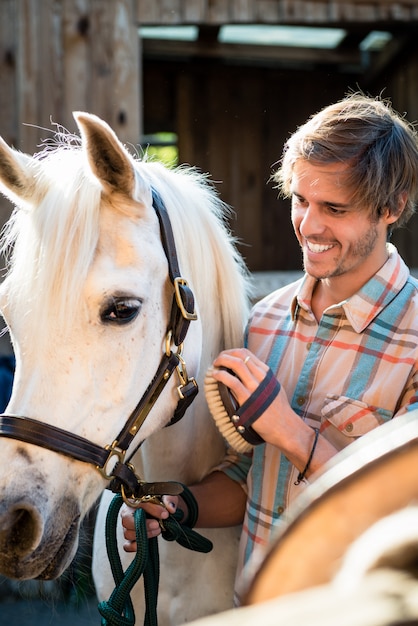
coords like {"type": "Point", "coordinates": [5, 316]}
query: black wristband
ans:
{"type": "Point", "coordinates": [192, 512]}
{"type": "Point", "coordinates": [302, 474]}
{"type": "Point", "coordinates": [254, 406]}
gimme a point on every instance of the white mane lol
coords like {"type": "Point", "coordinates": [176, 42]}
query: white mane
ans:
{"type": "Point", "coordinates": [205, 246]}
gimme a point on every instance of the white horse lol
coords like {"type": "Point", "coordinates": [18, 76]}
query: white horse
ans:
{"type": "Point", "coordinates": [87, 300]}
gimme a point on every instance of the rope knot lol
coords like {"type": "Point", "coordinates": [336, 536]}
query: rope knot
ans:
{"type": "Point", "coordinates": [173, 530]}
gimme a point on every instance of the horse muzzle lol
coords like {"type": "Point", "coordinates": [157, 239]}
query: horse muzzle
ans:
{"type": "Point", "coordinates": [33, 544]}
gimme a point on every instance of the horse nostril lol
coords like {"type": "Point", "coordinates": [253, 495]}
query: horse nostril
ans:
{"type": "Point", "coordinates": [20, 531]}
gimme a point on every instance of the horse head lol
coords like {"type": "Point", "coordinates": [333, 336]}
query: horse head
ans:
{"type": "Point", "coordinates": [88, 301]}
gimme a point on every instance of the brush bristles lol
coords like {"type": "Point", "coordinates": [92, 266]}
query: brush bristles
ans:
{"type": "Point", "coordinates": [221, 417]}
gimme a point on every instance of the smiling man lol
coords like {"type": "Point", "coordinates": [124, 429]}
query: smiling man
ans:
{"type": "Point", "coordinates": [341, 344]}
{"type": "Point", "coordinates": [343, 246]}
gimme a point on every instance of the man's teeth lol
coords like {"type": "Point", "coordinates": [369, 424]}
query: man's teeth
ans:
{"type": "Point", "coordinates": [317, 247]}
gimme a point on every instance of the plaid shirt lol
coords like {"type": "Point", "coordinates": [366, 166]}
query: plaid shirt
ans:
{"type": "Point", "coordinates": [353, 371]}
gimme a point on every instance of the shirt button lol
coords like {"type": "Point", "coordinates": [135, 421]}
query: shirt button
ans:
{"type": "Point", "coordinates": [308, 346]}
{"type": "Point", "coordinates": [280, 510]}
{"type": "Point", "coordinates": [349, 427]}
{"type": "Point", "coordinates": [300, 400]}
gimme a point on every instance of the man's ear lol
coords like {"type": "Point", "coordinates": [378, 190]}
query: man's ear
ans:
{"type": "Point", "coordinates": [391, 218]}
{"type": "Point", "coordinates": [403, 197]}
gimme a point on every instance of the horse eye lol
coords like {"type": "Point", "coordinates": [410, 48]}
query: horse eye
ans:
{"type": "Point", "coordinates": [121, 310]}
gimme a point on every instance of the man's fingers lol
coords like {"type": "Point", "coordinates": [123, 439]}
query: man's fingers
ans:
{"type": "Point", "coordinates": [153, 530]}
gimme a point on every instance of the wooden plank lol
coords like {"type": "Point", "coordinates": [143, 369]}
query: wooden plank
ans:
{"type": "Point", "coordinates": [194, 11]}
{"type": "Point", "coordinates": [247, 167]}
{"type": "Point", "coordinates": [218, 12]}
{"type": "Point", "coordinates": [114, 80]}
{"type": "Point", "coordinates": [148, 12]}
{"type": "Point", "coordinates": [126, 107]}
{"type": "Point", "coordinates": [50, 88]}
{"type": "Point", "coordinates": [410, 105]}
{"type": "Point", "coordinates": [76, 65]}
{"type": "Point", "coordinates": [8, 116]}
{"type": "Point", "coordinates": [281, 55]}
{"type": "Point", "coordinates": [315, 11]}
{"type": "Point", "coordinates": [8, 70]}
{"type": "Point", "coordinates": [269, 11]}
{"type": "Point", "coordinates": [184, 117]}
{"type": "Point", "coordinates": [365, 12]}
{"type": "Point", "coordinates": [243, 11]}
{"type": "Point", "coordinates": [309, 13]}
{"type": "Point", "coordinates": [101, 59]}
{"type": "Point", "coordinates": [399, 12]}
{"type": "Point", "coordinates": [41, 77]}
{"type": "Point", "coordinates": [8, 108]}
{"type": "Point", "coordinates": [28, 76]}
{"type": "Point", "coordinates": [171, 11]}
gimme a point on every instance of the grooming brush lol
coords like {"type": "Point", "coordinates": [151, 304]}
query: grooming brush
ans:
{"type": "Point", "coordinates": [223, 407]}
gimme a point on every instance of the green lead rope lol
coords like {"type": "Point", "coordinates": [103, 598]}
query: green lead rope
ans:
{"type": "Point", "coordinates": [118, 610]}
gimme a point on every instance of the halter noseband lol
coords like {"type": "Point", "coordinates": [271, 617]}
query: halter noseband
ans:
{"type": "Point", "coordinates": [110, 460]}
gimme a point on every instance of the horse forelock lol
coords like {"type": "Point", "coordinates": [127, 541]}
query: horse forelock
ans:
{"type": "Point", "coordinates": [52, 244]}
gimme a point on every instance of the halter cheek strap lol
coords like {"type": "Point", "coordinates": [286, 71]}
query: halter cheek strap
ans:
{"type": "Point", "coordinates": [182, 310]}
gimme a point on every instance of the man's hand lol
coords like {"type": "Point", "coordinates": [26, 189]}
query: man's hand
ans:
{"type": "Point", "coordinates": [158, 512]}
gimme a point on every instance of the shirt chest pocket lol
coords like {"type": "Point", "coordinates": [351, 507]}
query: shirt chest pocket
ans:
{"type": "Point", "coordinates": [353, 418]}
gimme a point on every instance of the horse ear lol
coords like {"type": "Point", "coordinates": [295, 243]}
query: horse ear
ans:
{"type": "Point", "coordinates": [109, 161]}
{"type": "Point", "coordinates": [17, 175]}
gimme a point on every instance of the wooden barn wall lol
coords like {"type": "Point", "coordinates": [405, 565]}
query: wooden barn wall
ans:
{"type": "Point", "coordinates": [232, 122]}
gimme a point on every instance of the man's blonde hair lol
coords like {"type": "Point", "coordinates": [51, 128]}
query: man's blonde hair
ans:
{"type": "Point", "coordinates": [378, 145]}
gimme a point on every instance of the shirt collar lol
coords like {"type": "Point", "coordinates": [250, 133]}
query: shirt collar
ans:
{"type": "Point", "coordinates": [361, 308]}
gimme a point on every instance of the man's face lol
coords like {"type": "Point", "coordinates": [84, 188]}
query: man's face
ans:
{"type": "Point", "coordinates": [336, 237]}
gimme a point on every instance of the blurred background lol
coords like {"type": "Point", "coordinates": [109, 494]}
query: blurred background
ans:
{"type": "Point", "coordinates": [218, 84]}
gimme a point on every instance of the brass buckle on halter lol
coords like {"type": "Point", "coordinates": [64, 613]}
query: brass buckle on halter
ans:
{"type": "Point", "coordinates": [114, 451]}
{"type": "Point", "coordinates": [185, 381]}
{"type": "Point", "coordinates": [135, 503]}
{"type": "Point", "coordinates": [178, 284]}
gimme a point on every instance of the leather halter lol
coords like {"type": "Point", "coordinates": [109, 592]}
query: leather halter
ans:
{"type": "Point", "coordinates": [110, 460]}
